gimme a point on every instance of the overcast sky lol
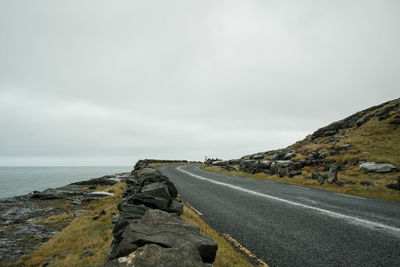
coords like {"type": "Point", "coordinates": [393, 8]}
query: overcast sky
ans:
{"type": "Point", "coordinates": [111, 82]}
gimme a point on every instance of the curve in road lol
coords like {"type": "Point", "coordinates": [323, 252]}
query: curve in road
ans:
{"type": "Point", "coordinates": [287, 225]}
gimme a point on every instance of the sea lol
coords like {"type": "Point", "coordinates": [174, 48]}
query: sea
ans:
{"type": "Point", "coordinates": [15, 181]}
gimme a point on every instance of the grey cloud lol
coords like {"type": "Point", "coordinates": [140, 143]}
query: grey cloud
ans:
{"type": "Point", "coordinates": [98, 81]}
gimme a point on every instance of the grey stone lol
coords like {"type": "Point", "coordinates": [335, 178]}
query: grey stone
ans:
{"type": "Point", "coordinates": [132, 211]}
{"type": "Point", "coordinates": [149, 201]}
{"type": "Point", "coordinates": [283, 171]}
{"type": "Point", "coordinates": [278, 156]}
{"type": "Point", "coordinates": [157, 189]}
{"type": "Point", "coordinates": [332, 175]}
{"type": "Point", "coordinates": [289, 155]}
{"type": "Point", "coordinates": [166, 231]}
{"type": "Point", "coordinates": [283, 163]}
{"type": "Point", "coordinates": [157, 256]}
{"type": "Point", "coordinates": [148, 175]}
{"type": "Point", "coordinates": [265, 163]}
{"type": "Point", "coordinates": [176, 207]}
{"type": "Point", "coordinates": [377, 167]}
{"type": "Point", "coordinates": [258, 156]}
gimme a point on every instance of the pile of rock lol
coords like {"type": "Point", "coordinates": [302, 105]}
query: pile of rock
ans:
{"type": "Point", "coordinates": [279, 162]}
{"type": "Point", "coordinates": [330, 177]}
{"type": "Point", "coordinates": [149, 231]}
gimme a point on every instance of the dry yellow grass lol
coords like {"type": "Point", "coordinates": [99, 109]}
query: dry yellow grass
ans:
{"type": "Point", "coordinates": [54, 218]}
{"type": "Point", "coordinates": [378, 191]}
{"type": "Point", "coordinates": [83, 231]}
{"type": "Point", "coordinates": [227, 256]}
{"type": "Point", "coordinates": [375, 141]}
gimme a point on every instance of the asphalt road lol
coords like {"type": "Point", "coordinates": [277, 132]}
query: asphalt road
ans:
{"type": "Point", "coordinates": [287, 225]}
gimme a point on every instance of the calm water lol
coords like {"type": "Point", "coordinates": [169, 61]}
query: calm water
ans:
{"type": "Point", "coordinates": [22, 180]}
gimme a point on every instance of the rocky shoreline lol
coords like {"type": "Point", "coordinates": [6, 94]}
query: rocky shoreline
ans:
{"type": "Point", "coordinates": [24, 223]}
{"type": "Point", "coordinates": [148, 230]}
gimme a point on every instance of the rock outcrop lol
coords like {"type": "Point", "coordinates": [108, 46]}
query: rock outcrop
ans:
{"type": "Point", "coordinates": [22, 224]}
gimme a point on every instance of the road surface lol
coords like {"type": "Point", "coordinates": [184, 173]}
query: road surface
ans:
{"type": "Point", "coordinates": [288, 225]}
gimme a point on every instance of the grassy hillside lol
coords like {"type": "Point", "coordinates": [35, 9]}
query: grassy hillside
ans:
{"type": "Point", "coordinates": [371, 135]}
{"type": "Point", "coordinates": [377, 140]}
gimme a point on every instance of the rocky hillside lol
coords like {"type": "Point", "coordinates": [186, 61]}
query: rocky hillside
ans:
{"type": "Point", "coordinates": [362, 149]}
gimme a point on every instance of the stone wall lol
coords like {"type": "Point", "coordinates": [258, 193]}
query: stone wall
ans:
{"type": "Point", "coordinates": [149, 231]}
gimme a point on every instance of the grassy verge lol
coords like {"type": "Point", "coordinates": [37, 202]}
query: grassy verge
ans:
{"type": "Point", "coordinates": [227, 256]}
{"type": "Point", "coordinates": [82, 235]}
{"type": "Point", "coordinates": [378, 191]}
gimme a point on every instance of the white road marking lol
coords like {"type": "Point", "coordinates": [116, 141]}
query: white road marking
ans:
{"type": "Point", "coordinates": [349, 196]}
{"type": "Point", "coordinates": [363, 222]}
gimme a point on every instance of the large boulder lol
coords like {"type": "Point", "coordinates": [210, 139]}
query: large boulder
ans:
{"type": "Point", "coordinates": [278, 155]}
{"type": "Point", "coordinates": [247, 166]}
{"type": "Point", "coordinates": [283, 171]}
{"type": "Point", "coordinates": [289, 155]}
{"type": "Point", "coordinates": [158, 256]}
{"type": "Point", "coordinates": [149, 201]}
{"type": "Point", "coordinates": [131, 211]}
{"type": "Point", "coordinates": [265, 163]}
{"type": "Point", "coordinates": [148, 175]}
{"type": "Point", "coordinates": [377, 167]}
{"type": "Point", "coordinates": [157, 189]}
{"type": "Point", "coordinates": [167, 231]}
{"type": "Point", "coordinates": [284, 163]}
